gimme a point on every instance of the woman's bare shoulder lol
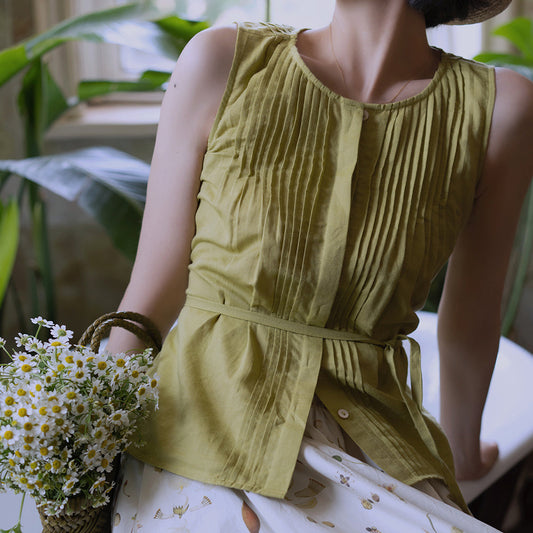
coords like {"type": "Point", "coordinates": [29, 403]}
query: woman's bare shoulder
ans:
{"type": "Point", "coordinates": [510, 143]}
{"type": "Point", "coordinates": [198, 82]}
{"type": "Point", "coordinates": [208, 56]}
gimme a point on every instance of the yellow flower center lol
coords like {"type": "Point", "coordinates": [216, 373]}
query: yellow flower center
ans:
{"type": "Point", "coordinates": [23, 411]}
{"type": "Point", "coordinates": [42, 410]}
{"type": "Point", "coordinates": [91, 454]}
{"type": "Point", "coordinates": [80, 374]}
{"type": "Point", "coordinates": [90, 358]}
{"type": "Point", "coordinates": [28, 426]}
{"type": "Point", "coordinates": [26, 368]}
{"type": "Point", "coordinates": [45, 428]}
{"type": "Point", "coordinates": [8, 412]}
{"type": "Point", "coordinates": [104, 463]}
{"type": "Point", "coordinates": [61, 367]}
{"type": "Point", "coordinates": [80, 408]}
{"type": "Point", "coordinates": [21, 392]}
{"type": "Point", "coordinates": [38, 387]}
{"type": "Point", "coordinates": [8, 434]}
{"type": "Point", "coordinates": [153, 383]}
{"type": "Point", "coordinates": [44, 451]}
{"type": "Point", "coordinates": [56, 464]}
{"type": "Point", "coordinates": [135, 374]}
{"type": "Point", "coordinates": [10, 400]}
{"type": "Point", "coordinates": [79, 363]}
{"type": "Point", "coordinates": [55, 343]}
{"type": "Point", "coordinates": [22, 358]}
{"type": "Point", "coordinates": [121, 363]}
{"type": "Point", "coordinates": [102, 365]}
{"type": "Point", "coordinates": [28, 439]}
{"type": "Point", "coordinates": [71, 395]}
{"type": "Point", "coordinates": [69, 359]}
{"type": "Point", "coordinates": [56, 409]}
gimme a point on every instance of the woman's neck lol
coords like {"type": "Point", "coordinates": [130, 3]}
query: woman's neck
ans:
{"type": "Point", "coordinates": [375, 46]}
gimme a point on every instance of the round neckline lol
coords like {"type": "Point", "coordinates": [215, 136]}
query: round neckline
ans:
{"type": "Point", "coordinates": [428, 89]}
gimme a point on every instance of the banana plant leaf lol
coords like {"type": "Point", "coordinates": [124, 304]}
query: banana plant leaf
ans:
{"type": "Point", "coordinates": [503, 59]}
{"type": "Point", "coordinates": [9, 236]}
{"type": "Point", "coordinates": [108, 184]}
{"type": "Point", "coordinates": [40, 103]}
{"type": "Point", "coordinates": [131, 25]}
{"type": "Point", "coordinates": [520, 32]}
{"type": "Point", "coordinates": [151, 80]}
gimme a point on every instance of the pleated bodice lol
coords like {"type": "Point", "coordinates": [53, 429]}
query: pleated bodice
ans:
{"type": "Point", "coordinates": [315, 211]}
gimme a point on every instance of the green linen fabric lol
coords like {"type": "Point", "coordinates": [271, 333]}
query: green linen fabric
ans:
{"type": "Point", "coordinates": [320, 224]}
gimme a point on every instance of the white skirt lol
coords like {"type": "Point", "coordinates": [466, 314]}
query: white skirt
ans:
{"type": "Point", "coordinates": [330, 490]}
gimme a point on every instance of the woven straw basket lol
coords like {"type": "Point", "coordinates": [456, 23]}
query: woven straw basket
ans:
{"type": "Point", "coordinates": [78, 516]}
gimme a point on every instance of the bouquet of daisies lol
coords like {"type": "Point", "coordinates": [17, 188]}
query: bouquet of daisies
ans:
{"type": "Point", "coordinates": [66, 412]}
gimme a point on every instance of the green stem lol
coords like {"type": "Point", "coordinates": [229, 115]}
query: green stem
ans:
{"type": "Point", "coordinates": [526, 246]}
{"type": "Point", "coordinates": [21, 506]}
{"type": "Point", "coordinates": [268, 11]}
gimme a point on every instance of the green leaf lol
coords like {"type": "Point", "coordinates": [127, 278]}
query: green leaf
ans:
{"type": "Point", "coordinates": [12, 60]}
{"type": "Point", "coordinates": [503, 59]}
{"type": "Point", "coordinates": [92, 88]}
{"type": "Point", "coordinates": [9, 236]}
{"type": "Point", "coordinates": [40, 102]}
{"type": "Point", "coordinates": [523, 243]}
{"type": "Point", "coordinates": [156, 77]}
{"type": "Point", "coordinates": [98, 26]}
{"type": "Point", "coordinates": [150, 80]}
{"type": "Point", "coordinates": [126, 25]}
{"type": "Point", "coordinates": [180, 28]}
{"type": "Point", "coordinates": [108, 184]}
{"type": "Point", "coordinates": [520, 32]}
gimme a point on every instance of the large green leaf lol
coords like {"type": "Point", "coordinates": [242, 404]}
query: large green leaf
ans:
{"type": "Point", "coordinates": [108, 184]}
{"type": "Point", "coordinates": [151, 80]}
{"type": "Point", "coordinates": [128, 25]}
{"type": "Point", "coordinates": [181, 29]}
{"type": "Point", "coordinates": [503, 59]}
{"type": "Point", "coordinates": [41, 102]}
{"type": "Point", "coordinates": [520, 32]}
{"type": "Point", "coordinates": [9, 235]}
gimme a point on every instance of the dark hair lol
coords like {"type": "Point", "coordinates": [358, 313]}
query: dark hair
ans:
{"type": "Point", "coordinates": [438, 12]}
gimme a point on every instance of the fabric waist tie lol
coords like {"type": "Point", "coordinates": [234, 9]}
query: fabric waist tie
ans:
{"type": "Point", "coordinates": [415, 366]}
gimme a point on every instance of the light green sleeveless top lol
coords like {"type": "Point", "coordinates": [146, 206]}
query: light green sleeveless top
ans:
{"type": "Point", "coordinates": [321, 222]}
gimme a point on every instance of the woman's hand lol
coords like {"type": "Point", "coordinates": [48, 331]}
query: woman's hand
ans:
{"type": "Point", "coordinates": [471, 469]}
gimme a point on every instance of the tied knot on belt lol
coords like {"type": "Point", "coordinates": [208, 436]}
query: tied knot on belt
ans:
{"type": "Point", "coordinates": [415, 365]}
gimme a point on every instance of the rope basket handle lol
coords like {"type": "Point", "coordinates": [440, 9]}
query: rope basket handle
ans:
{"type": "Point", "coordinates": [127, 320]}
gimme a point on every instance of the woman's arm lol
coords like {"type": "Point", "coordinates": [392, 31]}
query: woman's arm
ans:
{"type": "Point", "coordinates": [469, 312]}
{"type": "Point", "coordinates": [160, 273]}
